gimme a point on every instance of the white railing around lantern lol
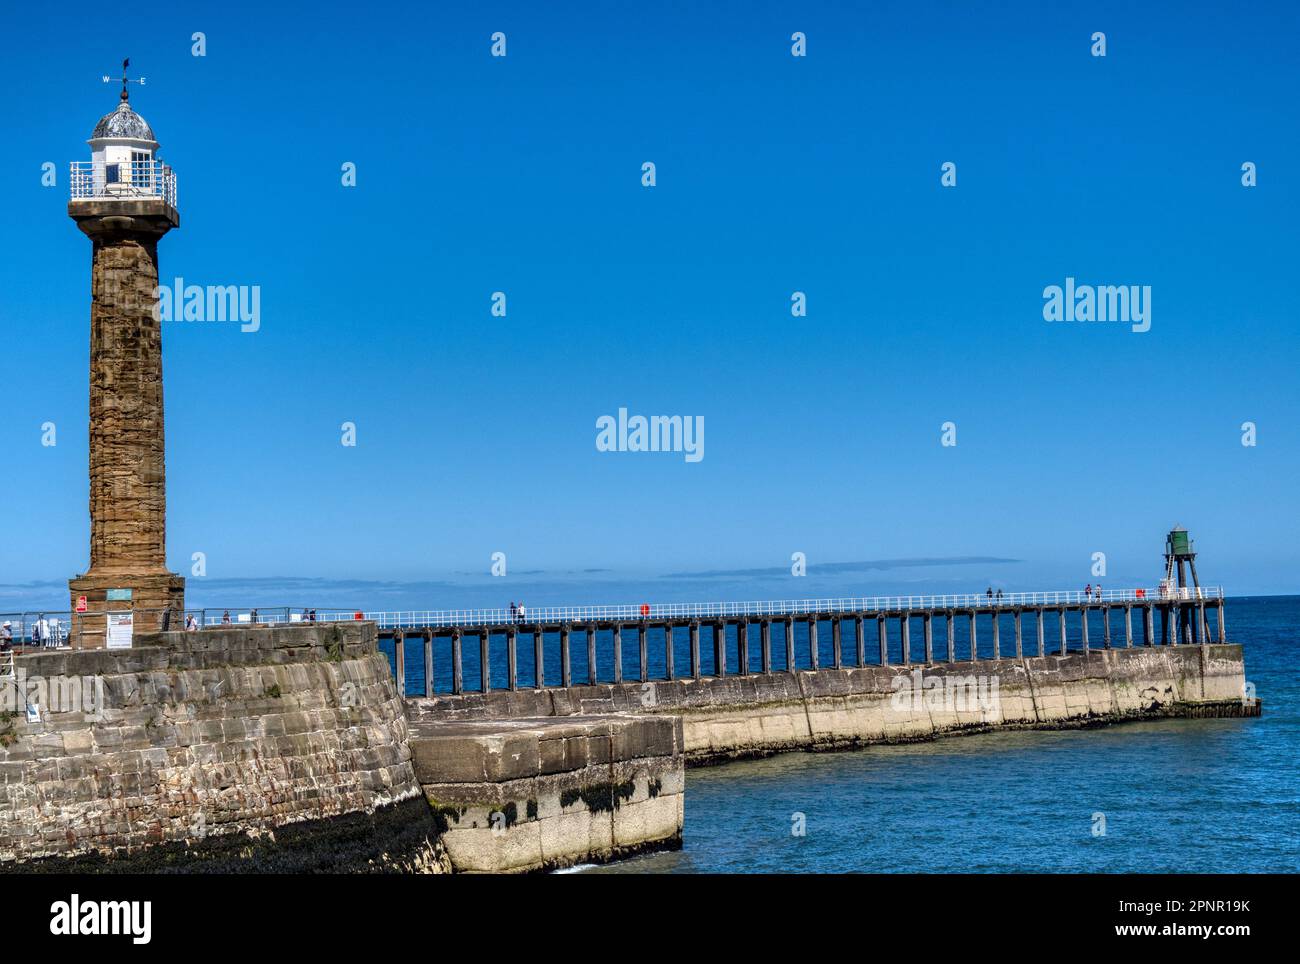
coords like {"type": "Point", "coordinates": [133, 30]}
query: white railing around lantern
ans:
{"type": "Point", "coordinates": [767, 608]}
{"type": "Point", "coordinates": [124, 180]}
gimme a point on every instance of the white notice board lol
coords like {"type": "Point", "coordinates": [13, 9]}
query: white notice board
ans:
{"type": "Point", "coordinates": [121, 627]}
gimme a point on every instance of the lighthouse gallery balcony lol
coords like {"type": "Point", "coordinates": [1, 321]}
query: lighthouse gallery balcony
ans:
{"type": "Point", "coordinates": [123, 181]}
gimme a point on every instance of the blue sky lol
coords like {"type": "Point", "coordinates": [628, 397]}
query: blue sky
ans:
{"type": "Point", "coordinates": [775, 174]}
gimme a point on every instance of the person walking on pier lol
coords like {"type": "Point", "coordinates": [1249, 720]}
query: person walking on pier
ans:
{"type": "Point", "coordinates": [225, 618]}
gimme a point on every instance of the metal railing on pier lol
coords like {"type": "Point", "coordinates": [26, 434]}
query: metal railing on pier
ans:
{"type": "Point", "coordinates": [123, 181]}
{"type": "Point", "coordinates": [44, 629]}
{"type": "Point", "coordinates": [434, 619]}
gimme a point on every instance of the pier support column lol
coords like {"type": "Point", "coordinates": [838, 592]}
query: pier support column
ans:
{"type": "Point", "coordinates": [1219, 607]}
{"type": "Point", "coordinates": [883, 633]}
{"type": "Point", "coordinates": [1042, 637]}
{"type": "Point", "coordinates": [539, 663]}
{"type": "Point", "coordinates": [765, 645]}
{"type": "Point", "coordinates": [1203, 622]}
{"type": "Point", "coordinates": [512, 666]}
{"type": "Point", "coordinates": [669, 671]}
{"type": "Point", "coordinates": [399, 655]}
{"type": "Point", "coordinates": [618, 652]}
{"type": "Point", "coordinates": [1083, 619]}
{"type": "Point", "coordinates": [1148, 625]}
{"type": "Point", "coordinates": [566, 664]}
{"type": "Point", "coordinates": [591, 655]}
{"type": "Point", "coordinates": [428, 663]}
{"type": "Point", "coordinates": [974, 645]}
{"type": "Point", "coordinates": [836, 642]}
{"type": "Point", "coordinates": [643, 652]}
{"type": "Point", "coordinates": [457, 675]}
{"type": "Point", "coordinates": [1061, 615]}
{"type": "Point", "coordinates": [695, 651]}
{"type": "Point", "coordinates": [905, 633]}
{"type": "Point", "coordinates": [1128, 627]}
{"type": "Point", "coordinates": [812, 643]}
{"type": "Point", "coordinates": [720, 649]}
{"type": "Point", "coordinates": [860, 636]}
{"type": "Point", "coordinates": [927, 624]}
{"type": "Point", "coordinates": [952, 640]}
{"type": "Point", "coordinates": [484, 662]}
{"type": "Point", "coordinates": [997, 635]}
{"type": "Point", "coordinates": [789, 646]}
{"type": "Point", "coordinates": [742, 647]}
{"type": "Point", "coordinates": [1020, 651]}
{"type": "Point", "coordinates": [1105, 621]}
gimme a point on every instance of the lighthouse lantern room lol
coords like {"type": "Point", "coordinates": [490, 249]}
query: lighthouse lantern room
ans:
{"type": "Point", "coordinates": [124, 162]}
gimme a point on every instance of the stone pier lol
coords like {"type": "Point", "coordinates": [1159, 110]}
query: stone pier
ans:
{"type": "Point", "coordinates": [288, 749]}
{"type": "Point", "coordinates": [731, 717]}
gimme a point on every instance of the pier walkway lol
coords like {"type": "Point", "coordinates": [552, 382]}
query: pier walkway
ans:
{"type": "Point", "coordinates": [647, 642]}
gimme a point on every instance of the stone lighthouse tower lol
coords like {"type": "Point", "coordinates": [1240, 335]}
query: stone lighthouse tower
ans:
{"type": "Point", "coordinates": [124, 200]}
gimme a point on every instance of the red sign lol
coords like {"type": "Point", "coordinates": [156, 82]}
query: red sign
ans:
{"type": "Point", "coordinates": [645, 609]}
{"type": "Point", "coordinates": [81, 604]}
{"type": "Point", "coordinates": [1141, 594]}
{"type": "Point", "coordinates": [358, 616]}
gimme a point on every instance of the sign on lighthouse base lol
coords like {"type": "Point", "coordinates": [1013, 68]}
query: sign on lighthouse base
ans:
{"type": "Point", "coordinates": [157, 601]}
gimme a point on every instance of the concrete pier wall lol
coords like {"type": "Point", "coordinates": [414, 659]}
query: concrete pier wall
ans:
{"type": "Point", "coordinates": [738, 716]}
{"type": "Point", "coordinates": [526, 795]}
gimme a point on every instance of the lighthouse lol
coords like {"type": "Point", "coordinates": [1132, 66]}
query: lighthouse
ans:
{"type": "Point", "coordinates": [124, 200]}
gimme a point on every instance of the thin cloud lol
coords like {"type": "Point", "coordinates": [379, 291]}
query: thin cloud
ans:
{"type": "Point", "coordinates": [833, 568]}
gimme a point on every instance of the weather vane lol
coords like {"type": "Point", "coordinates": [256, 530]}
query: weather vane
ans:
{"type": "Point", "coordinates": [125, 80]}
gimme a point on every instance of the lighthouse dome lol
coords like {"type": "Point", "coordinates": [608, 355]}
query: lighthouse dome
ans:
{"type": "Point", "coordinates": [124, 123]}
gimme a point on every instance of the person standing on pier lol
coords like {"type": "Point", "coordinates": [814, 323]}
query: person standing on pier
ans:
{"type": "Point", "coordinates": [514, 613]}
{"type": "Point", "coordinates": [7, 637]}
{"type": "Point", "coordinates": [1087, 592]}
{"type": "Point", "coordinates": [225, 618]}
{"type": "Point", "coordinates": [999, 597]}
{"type": "Point", "coordinates": [519, 613]}
{"type": "Point", "coordinates": [989, 593]}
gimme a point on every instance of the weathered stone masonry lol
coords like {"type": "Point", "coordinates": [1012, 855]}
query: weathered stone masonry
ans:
{"type": "Point", "coordinates": [201, 735]}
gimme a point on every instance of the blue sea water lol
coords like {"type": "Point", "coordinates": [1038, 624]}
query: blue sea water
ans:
{"type": "Point", "coordinates": [1178, 796]}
